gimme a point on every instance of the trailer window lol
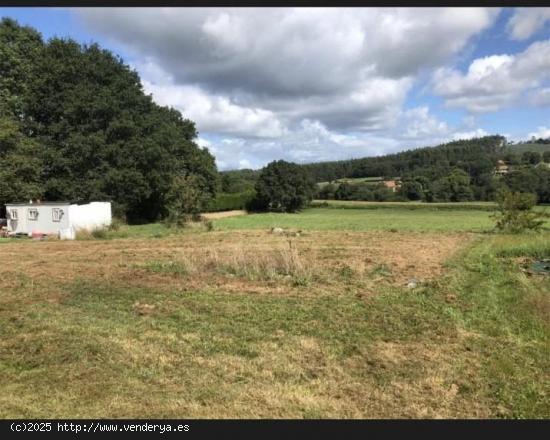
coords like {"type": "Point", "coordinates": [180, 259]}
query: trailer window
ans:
{"type": "Point", "coordinates": [56, 214]}
{"type": "Point", "coordinates": [13, 214]}
{"type": "Point", "coordinates": [33, 214]}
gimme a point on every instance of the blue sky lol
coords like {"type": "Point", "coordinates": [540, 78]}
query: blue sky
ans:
{"type": "Point", "coordinates": [309, 84]}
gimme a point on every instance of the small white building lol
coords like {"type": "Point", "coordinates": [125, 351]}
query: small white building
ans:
{"type": "Point", "coordinates": [56, 217]}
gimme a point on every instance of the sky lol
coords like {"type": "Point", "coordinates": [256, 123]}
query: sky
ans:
{"type": "Point", "coordinates": [317, 84]}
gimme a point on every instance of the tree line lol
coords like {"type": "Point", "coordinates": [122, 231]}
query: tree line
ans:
{"type": "Point", "coordinates": [76, 125]}
{"type": "Point", "coordinates": [457, 171]}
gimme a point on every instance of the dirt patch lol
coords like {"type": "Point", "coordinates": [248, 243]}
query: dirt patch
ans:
{"type": "Point", "coordinates": [243, 261]}
{"type": "Point", "coordinates": [223, 214]}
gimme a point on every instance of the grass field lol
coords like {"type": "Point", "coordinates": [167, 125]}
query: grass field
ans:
{"type": "Point", "coordinates": [242, 323]}
{"type": "Point", "coordinates": [355, 180]}
{"type": "Point", "coordinates": [435, 206]}
{"type": "Point", "coordinates": [387, 219]}
{"type": "Point", "coordinates": [521, 148]}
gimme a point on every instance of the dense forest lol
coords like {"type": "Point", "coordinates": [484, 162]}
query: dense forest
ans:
{"type": "Point", "coordinates": [76, 125]}
{"type": "Point", "coordinates": [456, 171]}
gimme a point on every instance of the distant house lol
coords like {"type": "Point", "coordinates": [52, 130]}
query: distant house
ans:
{"type": "Point", "coordinates": [54, 217]}
{"type": "Point", "coordinates": [501, 168]}
{"type": "Point", "coordinates": [394, 185]}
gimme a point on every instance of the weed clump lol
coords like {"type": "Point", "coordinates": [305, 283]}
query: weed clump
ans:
{"type": "Point", "coordinates": [515, 213]}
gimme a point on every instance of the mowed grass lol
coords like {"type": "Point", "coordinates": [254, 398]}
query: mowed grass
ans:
{"type": "Point", "coordinates": [387, 219]}
{"type": "Point", "coordinates": [434, 206]}
{"type": "Point", "coordinates": [220, 325]}
{"type": "Point", "coordinates": [471, 344]}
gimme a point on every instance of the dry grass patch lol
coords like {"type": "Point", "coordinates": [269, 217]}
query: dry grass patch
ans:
{"type": "Point", "coordinates": [254, 261]}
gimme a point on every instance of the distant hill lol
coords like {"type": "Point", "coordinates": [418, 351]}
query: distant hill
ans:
{"type": "Point", "coordinates": [457, 171]}
{"type": "Point", "coordinates": [475, 156]}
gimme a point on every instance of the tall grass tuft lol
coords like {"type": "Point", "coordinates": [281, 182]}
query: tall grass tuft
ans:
{"type": "Point", "coordinates": [278, 264]}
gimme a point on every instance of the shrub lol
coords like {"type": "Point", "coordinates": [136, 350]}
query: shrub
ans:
{"type": "Point", "coordinates": [116, 224]}
{"type": "Point", "coordinates": [208, 224]}
{"type": "Point", "coordinates": [100, 233]}
{"type": "Point", "coordinates": [228, 202]}
{"type": "Point", "coordinates": [185, 200]}
{"type": "Point", "coordinates": [515, 212]}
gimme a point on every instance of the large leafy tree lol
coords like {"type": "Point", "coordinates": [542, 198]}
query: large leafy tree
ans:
{"type": "Point", "coordinates": [284, 187]}
{"type": "Point", "coordinates": [455, 187]}
{"type": "Point", "coordinates": [100, 135]}
{"type": "Point", "coordinates": [20, 48]}
{"type": "Point", "coordinates": [20, 166]}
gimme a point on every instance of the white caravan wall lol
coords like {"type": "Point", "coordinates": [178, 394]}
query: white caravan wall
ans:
{"type": "Point", "coordinates": [44, 223]}
{"type": "Point", "coordinates": [92, 216]}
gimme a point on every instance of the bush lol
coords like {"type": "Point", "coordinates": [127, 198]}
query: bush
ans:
{"type": "Point", "coordinates": [229, 202]}
{"type": "Point", "coordinates": [100, 233]}
{"type": "Point", "coordinates": [515, 212]}
{"type": "Point", "coordinates": [116, 224]}
{"type": "Point", "coordinates": [185, 200]}
{"type": "Point", "coordinates": [208, 224]}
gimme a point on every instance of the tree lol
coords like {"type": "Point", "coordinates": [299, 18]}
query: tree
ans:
{"type": "Point", "coordinates": [363, 192]}
{"type": "Point", "coordinates": [454, 187]}
{"type": "Point", "coordinates": [521, 180]}
{"type": "Point", "coordinates": [516, 214]}
{"type": "Point", "coordinates": [327, 192]}
{"type": "Point", "coordinates": [412, 189]}
{"type": "Point", "coordinates": [284, 187]}
{"type": "Point", "coordinates": [383, 194]}
{"type": "Point", "coordinates": [100, 136]}
{"type": "Point", "coordinates": [344, 191]}
{"type": "Point", "coordinates": [20, 166]}
{"type": "Point", "coordinates": [531, 157]}
{"type": "Point", "coordinates": [20, 48]}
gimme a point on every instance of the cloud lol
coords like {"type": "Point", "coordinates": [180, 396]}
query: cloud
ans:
{"type": "Point", "coordinates": [303, 84]}
{"type": "Point", "coordinates": [312, 141]}
{"type": "Point", "coordinates": [542, 132]}
{"type": "Point", "coordinates": [305, 50]}
{"type": "Point", "coordinates": [480, 132]}
{"type": "Point", "coordinates": [351, 68]}
{"type": "Point", "coordinates": [419, 124]}
{"type": "Point", "coordinates": [216, 113]}
{"type": "Point", "coordinates": [496, 81]}
{"type": "Point", "coordinates": [527, 21]}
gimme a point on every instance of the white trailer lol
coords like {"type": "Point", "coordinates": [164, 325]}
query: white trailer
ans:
{"type": "Point", "coordinates": [58, 218]}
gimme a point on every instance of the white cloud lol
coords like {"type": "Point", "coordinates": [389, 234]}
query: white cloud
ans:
{"type": "Point", "coordinates": [216, 113]}
{"type": "Point", "coordinates": [542, 132]}
{"type": "Point", "coordinates": [348, 67]}
{"type": "Point", "coordinates": [304, 50]}
{"type": "Point", "coordinates": [496, 81]}
{"type": "Point", "coordinates": [480, 132]}
{"type": "Point", "coordinates": [201, 142]}
{"type": "Point", "coordinates": [527, 21]}
{"type": "Point", "coordinates": [303, 84]}
{"type": "Point", "coordinates": [419, 124]}
{"type": "Point", "coordinates": [312, 141]}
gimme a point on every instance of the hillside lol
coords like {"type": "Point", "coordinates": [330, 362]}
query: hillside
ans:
{"type": "Point", "coordinates": [474, 156]}
{"type": "Point", "coordinates": [522, 148]}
